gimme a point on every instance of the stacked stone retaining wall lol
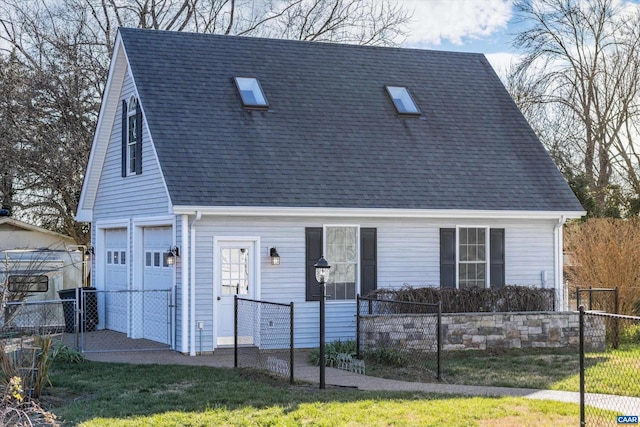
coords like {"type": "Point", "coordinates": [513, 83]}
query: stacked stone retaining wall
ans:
{"type": "Point", "coordinates": [481, 331]}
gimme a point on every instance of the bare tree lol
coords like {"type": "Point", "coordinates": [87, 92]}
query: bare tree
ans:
{"type": "Point", "coordinates": [578, 86]}
{"type": "Point", "coordinates": [62, 50]}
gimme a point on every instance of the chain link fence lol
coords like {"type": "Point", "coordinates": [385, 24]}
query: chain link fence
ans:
{"type": "Point", "coordinates": [400, 333]}
{"type": "Point", "coordinates": [263, 336]}
{"type": "Point", "coordinates": [609, 362]}
{"type": "Point", "coordinates": [124, 320]}
{"type": "Point", "coordinates": [33, 318]}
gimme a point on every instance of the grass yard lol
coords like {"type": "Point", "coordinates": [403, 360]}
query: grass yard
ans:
{"type": "Point", "coordinates": [100, 394]}
{"type": "Point", "coordinates": [612, 372]}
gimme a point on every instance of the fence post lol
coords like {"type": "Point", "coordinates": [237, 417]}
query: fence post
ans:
{"type": "Point", "coordinates": [578, 298]}
{"type": "Point", "coordinates": [291, 355]}
{"type": "Point", "coordinates": [358, 326]}
{"type": "Point", "coordinates": [590, 299]}
{"type": "Point", "coordinates": [581, 349]}
{"type": "Point", "coordinates": [439, 355]}
{"type": "Point", "coordinates": [235, 331]}
{"type": "Point", "coordinates": [615, 320]}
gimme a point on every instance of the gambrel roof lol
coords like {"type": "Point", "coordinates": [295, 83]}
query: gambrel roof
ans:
{"type": "Point", "coordinates": [331, 136]}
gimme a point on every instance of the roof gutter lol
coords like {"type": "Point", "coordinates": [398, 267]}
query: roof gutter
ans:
{"type": "Point", "coordinates": [373, 213]}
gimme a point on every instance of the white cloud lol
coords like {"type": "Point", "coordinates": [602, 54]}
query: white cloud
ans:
{"type": "Point", "coordinates": [503, 61]}
{"type": "Point", "coordinates": [454, 20]}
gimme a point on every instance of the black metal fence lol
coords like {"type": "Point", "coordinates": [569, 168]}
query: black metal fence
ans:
{"type": "Point", "coordinates": [609, 360]}
{"type": "Point", "coordinates": [263, 336]}
{"type": "Point", "coordinates": [401, 333]}
{"type": "Point", "coordinates": [601, 299]}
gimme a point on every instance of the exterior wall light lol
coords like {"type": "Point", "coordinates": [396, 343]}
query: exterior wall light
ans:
{"type": "Point", "coordinates": [275, 257]}
{"type": "Point", "coordinates": [174, 252]}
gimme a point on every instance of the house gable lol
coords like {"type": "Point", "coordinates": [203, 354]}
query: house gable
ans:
{"type": "Point", "coordinates": [120, 85]}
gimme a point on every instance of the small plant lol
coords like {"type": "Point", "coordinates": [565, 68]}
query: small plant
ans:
{"type": "Point", "coordinates": [65, 354]}
{"type": "Point", "coordinates": [630, 335]}
{"type": "Point", "coordinates": [30, 362]}
{"type": "Point", "coordinates": [17, 410]}
{"type": "Point", "coordinates": [386, 356]}
{"type": "Point", "coordinates": [331, 352]}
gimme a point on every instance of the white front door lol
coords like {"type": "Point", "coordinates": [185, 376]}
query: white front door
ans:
{"type": "Point", "coordinates": [236, 275]}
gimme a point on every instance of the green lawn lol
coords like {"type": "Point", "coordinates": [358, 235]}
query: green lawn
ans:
{"type": "Point", "coordinates": [101, 394]}
{"type": "Point", "coordinates": [611, 372]}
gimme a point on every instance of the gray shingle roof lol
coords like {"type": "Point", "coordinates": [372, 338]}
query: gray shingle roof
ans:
{"type": "Point", "coordinates": [331, 136]}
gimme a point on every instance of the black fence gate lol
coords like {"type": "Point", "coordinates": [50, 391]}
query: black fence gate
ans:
{"type": "Point", "coordinates": [263, 336]}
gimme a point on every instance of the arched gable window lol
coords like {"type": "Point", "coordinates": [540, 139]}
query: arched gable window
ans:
{"type": "Point", "coordinates": [131, 137]}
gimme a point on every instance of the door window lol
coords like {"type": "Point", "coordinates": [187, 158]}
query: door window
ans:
{"type": "Point", "coordinates": [234, 265]}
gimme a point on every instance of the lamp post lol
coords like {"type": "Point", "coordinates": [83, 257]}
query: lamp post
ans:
{"type": "Point", "coordinates": [322, 272]}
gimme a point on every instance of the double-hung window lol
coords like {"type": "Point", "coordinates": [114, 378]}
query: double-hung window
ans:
{"type": "Point", "coordinates": [342, 253]}
{"type": "Point", "coordinates": [352, 253]}
{"type": "Point", "coordinates": [472, 257]}
{"type": "Point", "coordinates": [131, 137]}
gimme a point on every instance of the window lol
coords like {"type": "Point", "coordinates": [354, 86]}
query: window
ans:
{"type": "Point", "coordinates": [342, 254]}
{"type": "Point", "coordinates": [251, 92]}
{"type": "Point", "coordinates": [352, 253]}
{"type": "Point", "coordinates": [472, 257]}
{"type": "Point", "coordinates": [402, 100]}
{"type": "Point", "coordinates": [131, 138]}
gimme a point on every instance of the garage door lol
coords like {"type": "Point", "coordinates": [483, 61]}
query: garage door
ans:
{"type": "Point", "coordinates": [116, 280]}
{"type": "Point", "coordinates": [157, 282]}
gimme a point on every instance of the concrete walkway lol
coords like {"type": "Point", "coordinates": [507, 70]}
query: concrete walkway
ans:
{"type": "Point", "coordinates": [335, 377]}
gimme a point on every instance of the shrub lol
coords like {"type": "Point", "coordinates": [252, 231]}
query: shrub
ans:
{"type": "Point", "coordinates": [386, 356]}
{"type": "Point", "coordinates": [30, 362]}
{"type": "Point", "coordinates": [630, 335]}
{"type": "Point", "coordinates": [605, 253]}
{"type": "Point", "coordinates": [473, 300]}
{"type": "Point", "coordinates": [331, 351]}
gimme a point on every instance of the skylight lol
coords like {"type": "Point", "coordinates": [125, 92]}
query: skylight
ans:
{"type": "Point", "coordinates": [251, 92]}
{"type": "Point", "coordinates": [402, 100]}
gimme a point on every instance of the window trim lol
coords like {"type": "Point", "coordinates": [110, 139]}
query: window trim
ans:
{"type": "Point", "coordinates": [487, 253]}
{"type": "Point", "coordinates": [258, 87]}
{"type": "Point", "coordinates": [132, 113]}
{"type": "Point", "coordinates": [358, 258]}
{"type": "Point", "coordinates": [415, 113]}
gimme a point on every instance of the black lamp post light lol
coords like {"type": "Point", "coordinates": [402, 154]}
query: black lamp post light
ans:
{"type": "Point", "coordinates": [322, 273]}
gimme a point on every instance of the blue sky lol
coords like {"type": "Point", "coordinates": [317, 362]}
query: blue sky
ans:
{"type": "Point", "coordinates": [483, 26]}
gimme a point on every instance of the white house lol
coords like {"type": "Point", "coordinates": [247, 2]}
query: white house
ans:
{"type": "Point", "coordinates": [400, 166]}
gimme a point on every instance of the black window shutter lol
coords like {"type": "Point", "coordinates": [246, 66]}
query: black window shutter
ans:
{"type": "Point", "coordinates": [124, 138]}
{"type": "Point", "coordinates": [138, 140]}
{"type": "Point", "coordinates": [368, 260]}
{"type": "Point", "coordinates": [313, 243]}
{"type": "Point", "coordinates": [447, 257]}
{"type": "Point", "coordinates": [496, 253]}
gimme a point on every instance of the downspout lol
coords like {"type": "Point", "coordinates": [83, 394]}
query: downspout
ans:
{"type": "Point", "coordinates": [184, 291]}
{"type": "Point", "coordinates": [558, 256]}
{"type": "Point", "coordinates": [192, 314]}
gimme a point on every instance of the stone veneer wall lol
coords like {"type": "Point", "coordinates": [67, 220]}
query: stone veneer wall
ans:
{"type": "Point", "coordinates": [481, 331]}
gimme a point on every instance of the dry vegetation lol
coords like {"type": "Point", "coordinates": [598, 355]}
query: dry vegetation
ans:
{"type": "Point", "coordinates": [605, 253]}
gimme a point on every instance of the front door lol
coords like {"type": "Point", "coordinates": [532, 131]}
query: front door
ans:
{"type": "Point", "coordinates": [236, 276]}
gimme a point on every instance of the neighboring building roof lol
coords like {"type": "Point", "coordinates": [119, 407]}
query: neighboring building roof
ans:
{"type": "Point", "coordinates": [8, 224]}
{"type": "Point", "coordinates": [331, 137]}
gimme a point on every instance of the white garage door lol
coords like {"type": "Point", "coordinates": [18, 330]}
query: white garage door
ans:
{"type": "Point", "coordinates": [157, 281]}
{"type": "Point", "coordinates": [116, 280]}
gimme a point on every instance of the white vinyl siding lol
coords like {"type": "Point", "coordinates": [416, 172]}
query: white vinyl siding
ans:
{"type": "Point", "coordinates": [408, 254]}
{"type": "Point", "coordinates": [137, 195]}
